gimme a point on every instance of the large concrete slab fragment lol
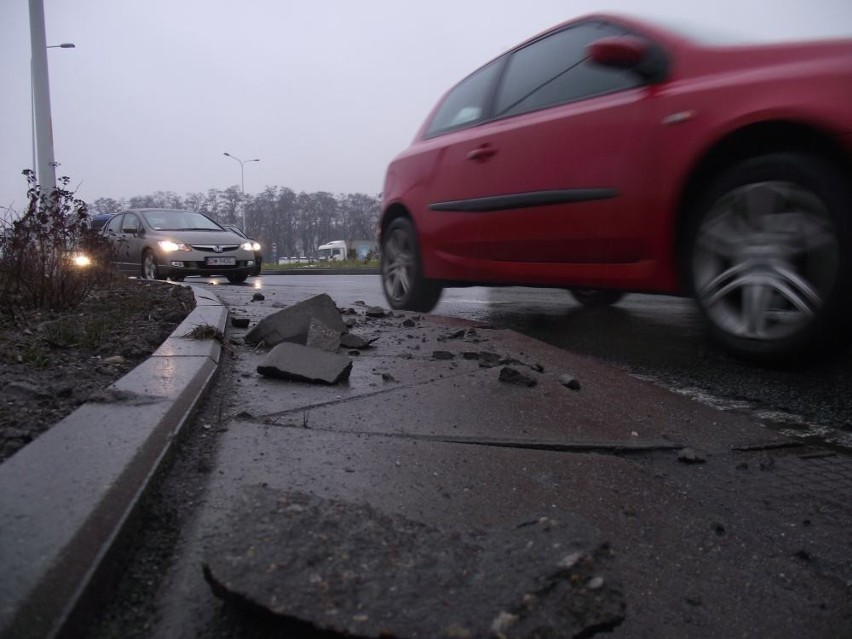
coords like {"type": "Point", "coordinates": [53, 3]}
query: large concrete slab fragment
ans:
{"type": "Point", "coordinates": [350, 568]}
{"type": "Point", "coordinates": [305, 364]}
{"type": "Point", "coordinates": [292, 324]}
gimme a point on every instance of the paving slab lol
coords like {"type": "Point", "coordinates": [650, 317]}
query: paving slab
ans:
{"type": "Point", "coordinates": [355, 570]}
{"type": "Point", "coordinates": [442, 442]}
{"type": "Point", "coordinates": [672, 527]}
{"type": "Point", "coordinates": [399, 377]}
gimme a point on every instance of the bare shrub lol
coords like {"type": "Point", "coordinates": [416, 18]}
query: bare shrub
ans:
{"type": "Point", "coordinates": [50, 257]}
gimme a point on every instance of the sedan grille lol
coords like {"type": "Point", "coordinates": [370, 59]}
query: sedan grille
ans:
{"type": "Point", "coordinates": [215, 248]}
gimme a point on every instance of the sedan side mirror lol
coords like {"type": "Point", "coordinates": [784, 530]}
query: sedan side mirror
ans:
{"type": "Point", "coordinates": [629, 53]}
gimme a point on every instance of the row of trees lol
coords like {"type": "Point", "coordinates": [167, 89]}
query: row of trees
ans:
{"type": "Point", "coordinates": [295, 223]}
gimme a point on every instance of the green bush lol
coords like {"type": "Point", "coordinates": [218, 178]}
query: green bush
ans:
{"type": "Point", "coordinates": [50, 257]}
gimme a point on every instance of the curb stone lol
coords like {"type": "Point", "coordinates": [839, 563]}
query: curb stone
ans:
{"type": "Point", "coordinates": [66, 498]}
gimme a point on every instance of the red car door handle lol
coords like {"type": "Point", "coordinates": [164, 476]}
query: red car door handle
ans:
{"type": "Point", "coordinates": [481, 153]}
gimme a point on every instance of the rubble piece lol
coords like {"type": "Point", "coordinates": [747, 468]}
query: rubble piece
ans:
{"type": "Point", "coordinates": [512, 376]}
{"type": "Point", "coordinates": [569, 381]}
{"type": "Point", "coordinates": [16, 389]}
{"type": "Point", "coordinates": [689, 456]}
{"type": "Point", "coordinates": [239, 322]}
{"type": "Point", "coordinates": [322, 337]}
{"type": "Point", "coordinates": [291, 324]}
{"type": "Point", "coordinates": [354, 570]}
{"type": "Point", "coordinates": [350, 340]}
{"type": "Point", "coordinates": [443, 355]}
{"type": "Point", "coordinates": [488, 359]}
{"type": "Point", "coordinates": [302, 363]}
{"type": "Point", "coordinates": [376, 311]}
{"type": "Point", "coordinates": [258, 297]}
{"type": "Point", "coordinates": [409, 323]}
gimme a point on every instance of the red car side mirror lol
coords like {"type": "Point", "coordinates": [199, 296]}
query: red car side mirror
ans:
{"type": "Point", "coordinates": [620, 52]}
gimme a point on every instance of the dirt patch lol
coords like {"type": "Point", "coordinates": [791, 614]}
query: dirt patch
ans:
{"type": "Point", "coordinates": [51, 363]}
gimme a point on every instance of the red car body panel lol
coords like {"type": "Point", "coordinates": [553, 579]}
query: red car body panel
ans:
{"type": "Point", "coordinates": [642, 144]}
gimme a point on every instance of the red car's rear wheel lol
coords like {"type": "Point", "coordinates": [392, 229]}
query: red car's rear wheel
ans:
{"type": "Point", "coordinates": [404, 285]}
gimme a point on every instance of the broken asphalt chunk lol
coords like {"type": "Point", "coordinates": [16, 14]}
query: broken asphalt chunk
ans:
{"type": "Point", "coordinates": [302, 363]}
{"type": "Point", "coordinates": [350, 340]}
{"type": "Point", "coordinates": [569, 381]}
{"type": "Point", "coordinates": [458, 334]}
{"type": "Point", "coordinates": [510, 375]}
{"type": "Point", "coordinates": [488, 359]}
{"type": "Point", "coordinates": [322, 337]}
{"type": "Point", "coordinates": [291, 324]}
{"type": "Point", "coordinates": [376, 311]}
{"type": "Point", "coordinates": [239, 322]}
{"type": "Point", "coordinates": [354, 570]}
{"type": "Point", "coordinates": [689, 456]}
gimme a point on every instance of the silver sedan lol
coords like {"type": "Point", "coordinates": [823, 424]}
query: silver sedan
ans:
{"type": "Point", "coordinates": [165, 243]}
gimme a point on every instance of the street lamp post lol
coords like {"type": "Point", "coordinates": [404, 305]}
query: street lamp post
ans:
{"type": "Point", "coordinates": [242, 182]}
{"type": "Point", "coordinates": [64, 45]}
{"type": "Point", "coordinates": [45, 171]}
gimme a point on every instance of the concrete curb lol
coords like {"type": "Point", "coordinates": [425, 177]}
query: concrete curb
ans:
{"type": "Point", "coordinates": [66, 497]}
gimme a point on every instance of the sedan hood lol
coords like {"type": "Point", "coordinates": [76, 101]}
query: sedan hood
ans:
{"type": "Point", "coordinates": [219, 238]}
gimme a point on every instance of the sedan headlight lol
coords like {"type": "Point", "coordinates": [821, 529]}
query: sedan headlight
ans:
{"type": "Point", "coordinates": [170, 247]}
{"type": "Point", "coordinates": [250, 246]}
{"type": "Point", "coordinates": [80, 260]}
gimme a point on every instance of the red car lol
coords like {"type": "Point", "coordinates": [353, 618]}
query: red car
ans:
{"type": "Point", "coordinates": [608, 155]}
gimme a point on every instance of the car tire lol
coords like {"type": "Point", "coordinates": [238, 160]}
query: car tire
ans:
{"type": "Point", "coordinates": [403, 282]}
{"type": "Point", "coordinates": [150, 270]}
{"type": "Point", "coordinates": [596, 297]}
{"type": "Point", "coordinates": [237, 279]}
{"type": "Point", "coordinates": [769, 257]}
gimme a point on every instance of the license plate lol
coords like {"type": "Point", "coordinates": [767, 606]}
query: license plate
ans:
{"type": "Point", "coordinates": [221, 261]}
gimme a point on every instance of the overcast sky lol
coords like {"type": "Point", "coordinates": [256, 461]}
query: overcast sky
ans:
{"type": "Point", "coordinates": [324, 92]}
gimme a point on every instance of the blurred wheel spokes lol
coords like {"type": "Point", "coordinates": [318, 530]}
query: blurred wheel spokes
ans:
{"type": "Point", "coordinates": [765, 259]}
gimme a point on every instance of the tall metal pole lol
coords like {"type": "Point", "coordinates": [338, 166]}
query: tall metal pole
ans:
{"type": "Point", "coordinates": [242, 184]}
{"type": "Point", "coordinates": [64, 45]}
{"type": "Point", "coordinates": [45, 171]}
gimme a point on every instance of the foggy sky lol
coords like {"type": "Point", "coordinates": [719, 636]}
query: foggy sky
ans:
{"type": "Point", "coordinates": [324, 92]}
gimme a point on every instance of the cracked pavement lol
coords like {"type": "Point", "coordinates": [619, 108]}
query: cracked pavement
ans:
{"type": "Point", "coordinates": [751, 542]}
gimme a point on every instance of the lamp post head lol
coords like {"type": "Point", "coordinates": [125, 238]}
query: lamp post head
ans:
{"type": "Point", "coordinates": [64, 45]}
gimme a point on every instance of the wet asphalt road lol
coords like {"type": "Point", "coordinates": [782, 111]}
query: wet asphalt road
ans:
{"type": "Point", "coordinates": [655, 337]}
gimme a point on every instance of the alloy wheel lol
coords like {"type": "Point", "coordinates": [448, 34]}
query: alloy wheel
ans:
{"type": "Point", "coordinates": [398, 266]}
{"type": "Point", "coordinates": [766, 257]}
{"type": "Point", "coordinates": [149, 266]}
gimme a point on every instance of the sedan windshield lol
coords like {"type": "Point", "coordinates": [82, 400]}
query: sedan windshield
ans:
{"type": "Point", "coordinates": [180, 221]}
